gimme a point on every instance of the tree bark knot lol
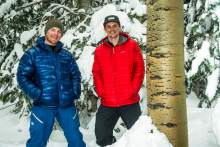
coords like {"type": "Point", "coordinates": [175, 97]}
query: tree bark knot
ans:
{"type": "Point", "coordinates": [172, 93]}
{"type": "Point", "coordinates": [169, 125]}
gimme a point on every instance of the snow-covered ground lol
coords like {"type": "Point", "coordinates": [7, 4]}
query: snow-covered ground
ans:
{"type": "Point", "coordinates": [200, 128]}
{"type": "Point", "coordinates": [14, 132]}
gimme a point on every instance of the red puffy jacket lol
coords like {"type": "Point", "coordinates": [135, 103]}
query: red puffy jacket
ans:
{"type": "Point", "coordinates": [118, 72]}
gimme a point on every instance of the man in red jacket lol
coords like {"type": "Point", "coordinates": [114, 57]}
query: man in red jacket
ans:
{"type": "Point", "coordinates": [118, 72]}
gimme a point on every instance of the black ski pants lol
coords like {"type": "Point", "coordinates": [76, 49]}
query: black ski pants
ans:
{"type": "Point", "coordinates": [107, 117]}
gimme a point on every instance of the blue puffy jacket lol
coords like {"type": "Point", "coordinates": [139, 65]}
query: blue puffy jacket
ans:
{"type": "Point", "coordinates": [50, 77]}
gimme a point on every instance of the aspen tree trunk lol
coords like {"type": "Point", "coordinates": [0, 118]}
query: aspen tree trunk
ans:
{"type": "Point", "coordinates": [165, 69]}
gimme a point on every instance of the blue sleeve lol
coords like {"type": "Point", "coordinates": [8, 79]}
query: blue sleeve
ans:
{"type": "Point", "coordinates": [76, 78]}
{"type": "Point", "coordinates": [25, 74]}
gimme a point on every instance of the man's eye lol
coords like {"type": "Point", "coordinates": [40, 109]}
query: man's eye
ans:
{"type": "Point", "coordinates": [109, 27]}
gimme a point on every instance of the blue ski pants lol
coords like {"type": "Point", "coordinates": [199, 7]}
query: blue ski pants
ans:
{"type": "Point", "coordinates": [42, 121]}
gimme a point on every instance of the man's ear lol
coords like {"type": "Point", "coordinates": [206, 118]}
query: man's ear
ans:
{"type": "Point", "coordinates": [104, 29]}
{"type": "Point", "coordinates": [120, 29]}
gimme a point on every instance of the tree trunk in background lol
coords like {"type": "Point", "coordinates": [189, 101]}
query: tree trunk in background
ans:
{"type": "Point", "coordinates": [165, 69]}
{"type": "Point", "coordinates": [84, 4]}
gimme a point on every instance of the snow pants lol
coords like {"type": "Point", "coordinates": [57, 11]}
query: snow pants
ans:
{"type": "Point", "coordinates": [42, 121]}
{"type": "Point", "coordinates": [107, 117]}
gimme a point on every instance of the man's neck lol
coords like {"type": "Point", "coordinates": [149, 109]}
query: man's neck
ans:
{"type": "Point", "coordinates": [114, 41]}
{"type": "Point", "coordinates": [48, 43]}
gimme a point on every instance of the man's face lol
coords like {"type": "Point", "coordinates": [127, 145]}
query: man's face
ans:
{"type": "Point", "coordinates": [112, 29]}
{"type": "Point", "coordinates": [52, 36]}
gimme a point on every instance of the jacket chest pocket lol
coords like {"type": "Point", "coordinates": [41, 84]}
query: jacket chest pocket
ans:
{"type": "Point", "coordinates": [123, 58]}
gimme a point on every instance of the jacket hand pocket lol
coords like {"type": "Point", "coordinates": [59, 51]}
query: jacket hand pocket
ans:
{"type": "Point", "coordinates": [101, 95]}
{"type": "Point", "coordinates": [132, 92]}
{"type": "Point", "coordinates": [37, 95]}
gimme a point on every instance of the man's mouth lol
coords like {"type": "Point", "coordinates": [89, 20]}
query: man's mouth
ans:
{"type": "Point", "coordinates": [54, 38]}
{"type": "Point", "coordinates": [112, 32]}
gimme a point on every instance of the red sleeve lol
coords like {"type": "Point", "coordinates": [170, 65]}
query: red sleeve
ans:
{"type": "Point", "coordinates": [138, 69]}
{"type": "Point", "coordinates": [97, 76]}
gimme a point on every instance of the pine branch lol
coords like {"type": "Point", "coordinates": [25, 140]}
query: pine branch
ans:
{"type": "Point", "coordinates": [28, 5]}
{"type": "Point", "coordinates": [55, 7]}
{"type": "Point", "coordinates": [74, 11]}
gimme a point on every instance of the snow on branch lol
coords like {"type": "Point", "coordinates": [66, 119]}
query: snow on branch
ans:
{"type": "Point", "coordinates": [28, 5]}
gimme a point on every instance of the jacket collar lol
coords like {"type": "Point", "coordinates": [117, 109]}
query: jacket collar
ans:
{"type": "Point", "coordinates": [41, 44]}
{"type": "Point", "coordinates": [122, 39]}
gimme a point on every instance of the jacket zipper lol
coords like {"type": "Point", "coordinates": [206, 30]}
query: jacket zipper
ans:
{"type": "Point", "coordinates": [57, 77]}
{"type": "Point", "coordinates": [113, 49]}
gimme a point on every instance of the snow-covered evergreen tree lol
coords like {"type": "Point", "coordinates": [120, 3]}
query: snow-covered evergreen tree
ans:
{"type": "Point", "coordinates": [202, 50]}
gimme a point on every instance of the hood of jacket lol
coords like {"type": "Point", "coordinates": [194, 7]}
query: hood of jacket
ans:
{"type": "Point", "coordinates": [40, 43]}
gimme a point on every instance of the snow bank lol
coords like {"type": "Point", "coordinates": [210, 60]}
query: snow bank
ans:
{"type": "Point", "coordinates": [85, 63]}
{"type": "Point", "coordinates": [143, 134]}
{"type": "Point", "coordinates": [27, 35]}
{"type": "Point", "coordinates": [216, 121]}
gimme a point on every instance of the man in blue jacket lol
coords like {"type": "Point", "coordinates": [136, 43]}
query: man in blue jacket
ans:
{"type": "Point", "coordinates": [49, 75]}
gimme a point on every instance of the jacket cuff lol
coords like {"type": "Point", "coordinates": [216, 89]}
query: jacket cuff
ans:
{"type": "Point", "coordinates": [37, 94]}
